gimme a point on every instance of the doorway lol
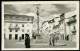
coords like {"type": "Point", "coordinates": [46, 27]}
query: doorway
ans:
{"type": "Point", "coordinates": [16, 36]}
{"type": "Point", "coordinates": [10, 36]}
{"type": "Point", "coordinates": [22, 36]}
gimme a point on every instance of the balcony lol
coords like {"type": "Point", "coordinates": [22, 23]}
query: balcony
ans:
{"type": "Point", "coordinates": [72, 20]}
{"type": "Point", "coordinates": [13, 28]}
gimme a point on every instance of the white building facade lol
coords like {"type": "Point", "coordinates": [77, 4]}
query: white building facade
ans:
{"type": "Point", "coordinates": [16, 26]}
{"type": "Point", "coordinates": [68, 25]}
{"type": "Point", "coordinates": [71, 25]}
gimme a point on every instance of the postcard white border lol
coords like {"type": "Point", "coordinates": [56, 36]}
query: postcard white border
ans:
{"type": "Point", "coordinates": [40, 2]}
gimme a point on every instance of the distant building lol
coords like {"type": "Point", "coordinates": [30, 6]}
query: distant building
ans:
{"type": "Point", "coordinates": [64, 27]}
{"type": "Point", "coordinates": [72, 28]}
{"type": "Point", "coordinates": [44, 28]}
{"type": "Point", "coordinates": [67, 27]}
{"type": "Point", "coordinates": [16, 26]}
{"type": "Point", "coordinates": [71, 25]}
{"type": "Point", "coordinates": [61, 27]}
{"type": "Point", "coordinates": [47, 28]}
{"type": "Point", "coordinates": [56, 30]}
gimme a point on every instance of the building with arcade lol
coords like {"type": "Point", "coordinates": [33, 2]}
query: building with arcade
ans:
{"type": "Point", "coordinates": [16, 26]}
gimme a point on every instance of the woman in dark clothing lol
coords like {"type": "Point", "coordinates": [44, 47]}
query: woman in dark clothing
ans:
{"type": "Point", "coordinates": [27, 41]}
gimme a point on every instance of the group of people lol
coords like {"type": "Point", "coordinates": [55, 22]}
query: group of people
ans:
{"type": "Point", "coordinates": [53, 39]}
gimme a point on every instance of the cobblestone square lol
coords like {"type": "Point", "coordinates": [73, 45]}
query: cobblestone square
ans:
{"type": "Point", "coordinates": [17, 44]}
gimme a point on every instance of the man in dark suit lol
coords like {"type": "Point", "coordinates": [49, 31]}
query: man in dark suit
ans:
{"type": "Point", "coordinates": [27, 41]}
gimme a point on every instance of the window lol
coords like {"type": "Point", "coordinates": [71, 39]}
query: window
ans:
{"type": "Point", "coordinates": [17, 17]}
{"type": "Point", "coordinates": [22, 30]}
{"type": "Point", "coordinates": [10, 36]}
{"type": "Point", "coordinates": [74, 27]}
{"type": "Point", "coordinates": [4, 29]}
{"type": "Point", "coordinates": [22, 25]}
{"type": "Point", "coordinates": [32, 19]}
{"type": "Point", "coordinates": [27, 30]}
{"type": "Point", "coordinates": [4, 36]}
{"type": "Point", "coordinates": [22, 18]}
{"type": "Point", "coordinates": [10, 16]}
{"type": "Point", "coordinates": [16, 25]}
{"type": "Point", "coordinates": [10, 24]}
{"type": "Point", "coordinates": [10, 30]}
{"type": "Point", "coordinates": [16, 30]}
{"type": "Point", "coordinates": [28, 19]}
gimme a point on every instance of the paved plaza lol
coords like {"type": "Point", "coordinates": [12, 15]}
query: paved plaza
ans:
{"type": "Point", "coordinates": [40, 25]}
{"type": "Point", "coordinates": [59, 44]}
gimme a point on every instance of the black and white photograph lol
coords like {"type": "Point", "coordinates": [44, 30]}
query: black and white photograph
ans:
{"type": "Point", "coordinates": [42, 25]}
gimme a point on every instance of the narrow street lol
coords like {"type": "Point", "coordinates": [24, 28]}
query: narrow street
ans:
{"type": "Point", "coordinates": [40, 25]}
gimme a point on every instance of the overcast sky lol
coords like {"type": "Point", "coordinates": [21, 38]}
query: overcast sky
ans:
{"type": "Point", "coordinates": [46, 11]}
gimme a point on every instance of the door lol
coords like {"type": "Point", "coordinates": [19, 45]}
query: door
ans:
{"type": "Point", "coordinates": [10, 36]}
{"type": "Point", "coordinates": [16, 36]}
{"type": "Point", "coordinates": [22, 36]}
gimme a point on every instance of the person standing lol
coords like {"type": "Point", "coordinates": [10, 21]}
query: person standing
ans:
{"type": "Point", "coordinates": [53, 40]}
{"type": "Point", "coordinates": [56, 37]}
{"type": "Point", "coordinates": [19, 39]}
{"type": "Point", "coordinates": [50, 41]}
{"type": "Point", "coordinates": [27, 41]}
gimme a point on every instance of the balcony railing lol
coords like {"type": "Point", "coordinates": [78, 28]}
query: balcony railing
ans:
{"type": "Point", "coordinates": [14, 28]}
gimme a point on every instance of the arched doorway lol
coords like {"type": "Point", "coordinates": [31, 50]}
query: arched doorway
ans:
{"type": "Point", "coordinates": [10, 36]}
{"type": "Point", "coordinates": [16, 36]}
{"type": "Point", "coordinates": [22, 36]}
